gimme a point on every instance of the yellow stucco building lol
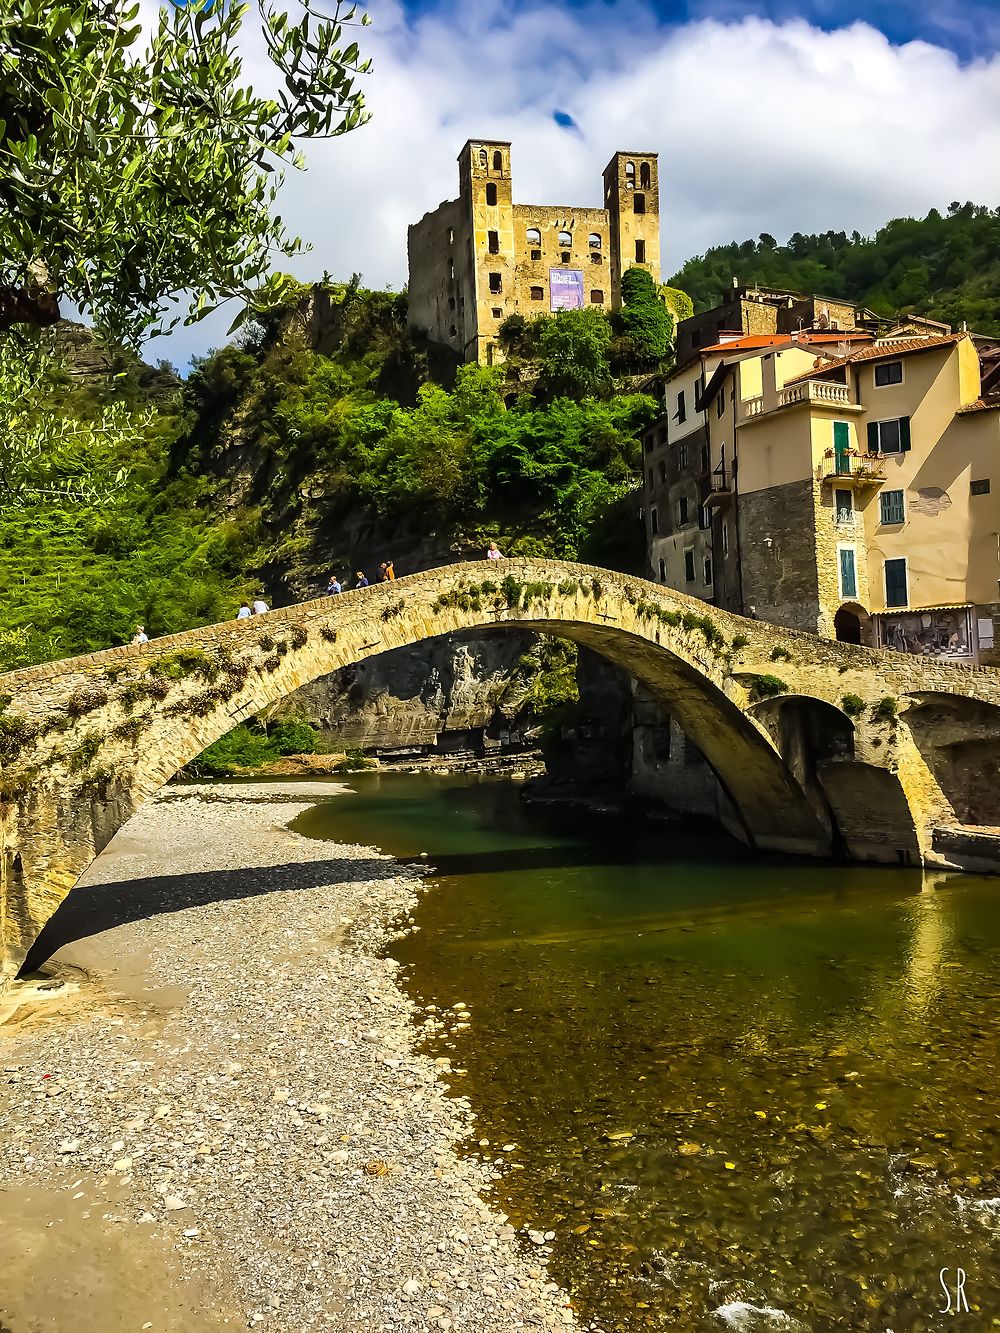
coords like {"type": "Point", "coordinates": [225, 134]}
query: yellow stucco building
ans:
{"type": "Point", "coordinates": [476, 259]}
{"type": "Point", "coordinates": [839, 484]}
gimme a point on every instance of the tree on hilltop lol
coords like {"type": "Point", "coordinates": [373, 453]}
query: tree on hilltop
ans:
{"type": "Point", "coordinates": [135, 169]}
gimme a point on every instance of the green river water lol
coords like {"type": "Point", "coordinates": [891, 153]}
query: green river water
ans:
{"type": "Point", "coordinates": [742, 1093]}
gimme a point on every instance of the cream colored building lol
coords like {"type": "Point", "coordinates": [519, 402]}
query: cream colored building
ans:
{"type": "Point", "coordinates": [853, 495]}
{"type": "Point", "coordinates": [479, 258]}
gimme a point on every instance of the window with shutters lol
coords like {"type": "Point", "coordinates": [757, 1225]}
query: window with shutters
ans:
{"type": "Point", "coordinates": [891, 508]}
{"type": "Point", "coordinates": [895, 582]}
{"type": "Point", "coordinates": [654, 521]}
{"type": "Point", "coordinates": [981, 487]}
{"type": "Point", "coordinates": [689, 564]}
{"type": "Point", "coordinates": [889, 437]}
{"type": "Point", "coordinates": [682, 510]}
{"type": "Point", "coordinates": [704, 518]}
{"type": "Point", "coordinates": [889, 373]}
{"type": "Point", "coordinates": [847, 557]}
{"type": "Point", "coordinates": [596, 297]}
{"type": "Point", "coordinates": [681, 407]}
{"type": "Point", "coordinates": [682, 455]}
{"type": "Point", "coordinates": [537, 294]}
{"type": "Point", "coordinates": [663, 571]}
{"type": "Point", "coordinates": [708, 571]}
{"type": "Point", "coordinates": [844, 506]}
{"type": "Point", "coordinates": [725, 539]}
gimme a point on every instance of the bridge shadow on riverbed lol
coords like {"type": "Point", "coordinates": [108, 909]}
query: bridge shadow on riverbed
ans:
{"type": "Point", "coordinates": [90, 909]}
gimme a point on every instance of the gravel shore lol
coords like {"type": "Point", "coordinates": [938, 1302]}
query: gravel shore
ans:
{"type": "Point", "coordinates": [220, 1118]}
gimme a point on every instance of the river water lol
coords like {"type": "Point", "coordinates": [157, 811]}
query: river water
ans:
{"type": "Point", "coordinates": [741, 1092]}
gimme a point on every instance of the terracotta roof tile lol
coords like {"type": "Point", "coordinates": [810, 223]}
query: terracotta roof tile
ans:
{"type": "Point", "coordinates": [753, 341]}
{"type": "Point", "coordinates": [882, 351]}
{"type": "Point", "coordinates": [980, 405]}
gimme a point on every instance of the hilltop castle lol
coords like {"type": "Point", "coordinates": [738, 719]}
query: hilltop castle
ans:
{"type": "Point", "coordinates": [479, 258]}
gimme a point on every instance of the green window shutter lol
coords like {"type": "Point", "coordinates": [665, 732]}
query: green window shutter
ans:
{"type": "Point", "coordinates": [873, 437]}
{"type": "Point", "coordinates": [841, 435]}
{"type": "Point", "coordinates": [848, 575]}
{"type": "Point", "coordinates": [904, 435]}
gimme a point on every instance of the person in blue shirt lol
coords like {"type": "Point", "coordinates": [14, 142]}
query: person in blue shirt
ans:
{"type": "Point", "coordinates": [334, 586]}
{"type": "Point", "coordinates": [362, 581]}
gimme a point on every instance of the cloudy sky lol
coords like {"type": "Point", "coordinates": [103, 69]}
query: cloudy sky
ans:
{"type": "Point", "coordinates": [768, 115]}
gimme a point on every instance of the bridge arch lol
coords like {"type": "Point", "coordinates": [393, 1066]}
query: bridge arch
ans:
{"type": "Point", "coordinates": [84, 742]}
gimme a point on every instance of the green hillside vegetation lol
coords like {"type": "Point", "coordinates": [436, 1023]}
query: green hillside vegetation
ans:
{"type": "Point", "coordinates": [945, 267]}
{"type": "Point", "coordinates": [263, 471]}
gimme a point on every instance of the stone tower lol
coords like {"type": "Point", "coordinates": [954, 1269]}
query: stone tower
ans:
{"type": "Point", "coordinates": [632, 198]}
{"type": "Point", "coordinates": [479, 258]}
{"type": "Point", "coordinates": [486, 193]}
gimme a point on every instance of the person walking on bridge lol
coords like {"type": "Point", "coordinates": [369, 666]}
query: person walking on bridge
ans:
{"type": "Point", "coordinates": [494, 552]}
{"type": "Point", "coordinates": [140, 635]}
{"type": "Point", "coordinates": [334, 586]}
{"type": "Point", "coordinates": [386, 572]}
{"type": "Point", "coordinates": [362, 582]}
{"type": "Point", "coordinates": [259, 605]}
{"type": "Point", "coordinates": [244, 613]}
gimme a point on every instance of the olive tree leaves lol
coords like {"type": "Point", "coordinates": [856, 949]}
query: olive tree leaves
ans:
{"type": "Point", "coordinates": [137, 166]}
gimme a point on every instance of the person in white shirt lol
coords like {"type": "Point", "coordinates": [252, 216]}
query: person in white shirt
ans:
{"type": "Point", "coordinates": [140, 635]}
{"type": "Point", "coordinates": [493, 553]}
{"type": "Point", "coordinates": [260, 606]}
{"type": "Point", "coordinates": [244, 613]}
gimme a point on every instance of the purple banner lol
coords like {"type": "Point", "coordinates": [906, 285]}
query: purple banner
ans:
{"type": "Point", "coordinates": [566, 288]}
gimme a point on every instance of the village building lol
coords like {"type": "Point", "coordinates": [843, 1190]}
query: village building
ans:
{"type": "Point", "coordinates": [844, 482]}
{"type": "Point", "coordinates": [479, 258]}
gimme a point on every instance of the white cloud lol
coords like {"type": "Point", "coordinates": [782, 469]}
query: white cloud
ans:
{"type": "Point", "coordinates": [759, 126]}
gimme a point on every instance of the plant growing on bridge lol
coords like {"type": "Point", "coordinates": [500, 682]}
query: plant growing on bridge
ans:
{"type": "Point", "coordinates": [85, 753]}
{"type": "Point", "coordinates": [852, 704]}
{"type": "Point", "coordinates": [780, 654]}
{"type": "Point", "coordinates": [85, 700]}
{"type": "Point", "coordinates": [15, 732]}
{"type": "Point", "coordinates": [740, 641]}
{"type": "Point", "coordinates": [765, 686]}
{"type": "Point", "coordinates": [184, 662]}
{"type": "Point", "coordinates": [886, 710]}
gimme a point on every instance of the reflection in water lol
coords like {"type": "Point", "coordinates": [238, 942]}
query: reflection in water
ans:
{"type": "Point", "coordinates": [740, 1092]}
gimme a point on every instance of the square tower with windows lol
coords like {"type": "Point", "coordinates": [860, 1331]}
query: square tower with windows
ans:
{"type": "Point", "coordinates": [632, 198]}
{"type": "Point", "coordinates": [480, 258]}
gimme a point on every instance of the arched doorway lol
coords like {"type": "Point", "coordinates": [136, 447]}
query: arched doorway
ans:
{"type": "Point", "coordinates": [852, 624]}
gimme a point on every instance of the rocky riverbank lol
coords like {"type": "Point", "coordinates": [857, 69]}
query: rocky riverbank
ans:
{"type": "Point", "coordinates": [220, 1117]}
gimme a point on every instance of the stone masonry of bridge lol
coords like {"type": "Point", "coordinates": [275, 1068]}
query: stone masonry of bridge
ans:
{"type": "Point", "coordinates": [812, 741]}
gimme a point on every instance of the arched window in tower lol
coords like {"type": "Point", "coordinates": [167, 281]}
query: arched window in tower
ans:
{"type": "Point", "coordinates": [498, 161]}
{"type": "Point", "coordinates": [644, 176]}
{"type": "Point", "coordinates": [483, 157]}
{"type": "Point", "coordinates": [565, 240]}
{"type": "Point", "coordinates": [630, 175]}
{"type": "Point", "coordinates": [594, 241]}
{"type": "Point", "coordinates": [638, 203]}
{"type": "Point", "coordinates": [491, 194]}
{"type": "Point", "coordinates": [533, 236]}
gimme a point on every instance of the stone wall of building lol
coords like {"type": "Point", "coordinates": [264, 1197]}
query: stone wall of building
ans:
{"type": "Point", "coordinates": [778, 555]}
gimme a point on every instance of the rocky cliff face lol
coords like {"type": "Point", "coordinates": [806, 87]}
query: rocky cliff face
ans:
{"type": "Point", "coordinates": [451, 694]}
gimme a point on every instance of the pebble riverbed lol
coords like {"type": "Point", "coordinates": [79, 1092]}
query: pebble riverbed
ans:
{"type": "Point", "coordinates": [229, 1080]}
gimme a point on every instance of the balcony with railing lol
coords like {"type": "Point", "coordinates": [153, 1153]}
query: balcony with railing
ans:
{"type": "Point", "coordinates": [847, 468]}
{"type": "Point", "coordinates": [720, 487]}
{"type": "Point", "coordinates": [809, 393]}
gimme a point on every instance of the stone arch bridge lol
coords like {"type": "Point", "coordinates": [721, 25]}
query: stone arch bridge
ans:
{"type": "Point", "coordinates": [821, 748]}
